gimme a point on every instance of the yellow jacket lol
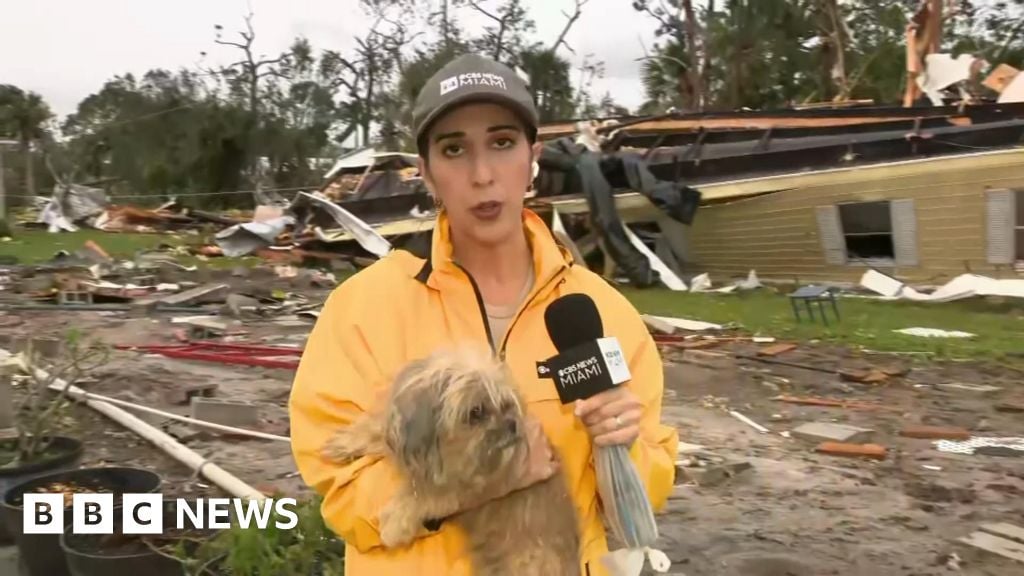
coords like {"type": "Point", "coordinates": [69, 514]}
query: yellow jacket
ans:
{"type": "Point", "coordinates": [401, 308]}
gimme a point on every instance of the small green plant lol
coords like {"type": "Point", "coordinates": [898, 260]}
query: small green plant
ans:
{"type": "Point", "coordinates": [43, 409]}
{"type": "Point", "coordinates": [308, 549]}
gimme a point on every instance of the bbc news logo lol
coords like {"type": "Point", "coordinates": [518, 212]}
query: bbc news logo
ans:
{"type": "Point", "coordinates": [144, 513]}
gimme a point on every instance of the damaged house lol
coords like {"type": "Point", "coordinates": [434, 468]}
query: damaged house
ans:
{"type": "Point", "coordinates": [924, 194]}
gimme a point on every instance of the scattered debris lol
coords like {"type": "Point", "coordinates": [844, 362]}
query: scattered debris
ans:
{"type": "Point", "coordinates": [184, 393]}
{"type": "Point", "coordinates": [251, 355]}
{"type": "Point", "coordinates": [749, 422]}
{"type": "Point", "coordinates": [225, 412]}
{"type": "Point", "coordinates": [207, 292]}
{"type": "Point", "coordinates": [959, 288]}
{"type": "Point", "coordinates": [829, 432]}
{"type": "Point", "coordinates": [717, 474]}
{"type": "Point", "coordinates": [706, 359]}
{"type": "Point", "coordinates": [1015, 407]}
{"type": "Point", "coordinates": [986, 446]}
{"type": "Point", "coordinates": [1000, 78]}
{"type": "Point", "coordinates": [1003, 539]}
{"type": "Point", "coordinates": [872, 376]}
{"type": "Point", "coordinates": [981, 388]}
{"type": "Point", "coordinates": [827, 402]}
{"type": "Point", "coordinates": [668, 325]}
{"type": "Point", "coordinates": [776, 349]}
{"type": "Point", "coordinates": [935, 432]}
{"type": "Point", "coordinates": [934, 333]}
{"type": "Point", "coordinates": [874, 451]}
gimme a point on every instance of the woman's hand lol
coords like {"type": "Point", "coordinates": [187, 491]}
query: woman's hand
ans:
{"type": "Point", "coordinates": [540, 463]}
{"type": "Point", "coordinates": [612, 417]}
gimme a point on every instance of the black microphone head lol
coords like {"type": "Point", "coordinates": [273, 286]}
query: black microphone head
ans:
{"type": "Point", "coordinates": [572, 320]}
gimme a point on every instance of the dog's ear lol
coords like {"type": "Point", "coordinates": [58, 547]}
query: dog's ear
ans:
{"type": "Point", "coordinates": [413, 430]}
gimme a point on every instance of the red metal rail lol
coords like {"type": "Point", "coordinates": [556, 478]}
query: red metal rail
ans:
{"type": "Point", "coordinates": [247, 354]}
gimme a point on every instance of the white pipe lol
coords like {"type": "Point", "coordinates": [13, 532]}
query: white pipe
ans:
{"type": "Point", "coordinates": [180, 418]}
{"type": "Point", "coordinates": [749, 422]}
{"type": "Point", "coordinates": [162, 440]}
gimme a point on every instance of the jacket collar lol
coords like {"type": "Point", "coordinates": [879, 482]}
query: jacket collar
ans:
{"type": "Point", "coordinates": [549, 257]}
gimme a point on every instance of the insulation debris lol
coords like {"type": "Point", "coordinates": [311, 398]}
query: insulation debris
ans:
{"type": "Point", "coordinates": [959, 288]}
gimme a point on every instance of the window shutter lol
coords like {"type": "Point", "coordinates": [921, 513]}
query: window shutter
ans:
{"type": "Point", "coordinates": [903, 215]}
{"type": "Point", "coordinates": [830, 230]}
{"type": "Point", "coordinates": [1000, 212]}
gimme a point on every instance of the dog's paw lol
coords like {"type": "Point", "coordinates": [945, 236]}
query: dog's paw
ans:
{"type": "Point", "coordinates": [341, 448]}
{"type": "Point", "coordinates": [398, 526]}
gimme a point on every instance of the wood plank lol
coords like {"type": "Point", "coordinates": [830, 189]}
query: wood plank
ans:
{"type": "Point", "coordinates": [995, 545]}
{"type": "Point", "coordinates": [1005, 530]}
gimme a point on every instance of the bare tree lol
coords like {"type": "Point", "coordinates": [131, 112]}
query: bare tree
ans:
{"type": "Point", "coordinates": [560, 41]}
{"type": "Point", "coordinates": [250, 68]}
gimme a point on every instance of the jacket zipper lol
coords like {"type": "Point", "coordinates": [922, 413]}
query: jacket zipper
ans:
{"type": "Point", "coordinates": [483, 310]}
{"type": "Point", "coordinates": [508, 331]}
{"type": "Point", "coordinates": [480, 304]}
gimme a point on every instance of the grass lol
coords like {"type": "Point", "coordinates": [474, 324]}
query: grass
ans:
{"type": "Point", "coordinates": [865, 323]}
{"type": "Point", "coordinates": [35, 246]}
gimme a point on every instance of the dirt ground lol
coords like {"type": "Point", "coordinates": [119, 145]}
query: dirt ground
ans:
{"type": "Point", "coordinates": [793, 512]}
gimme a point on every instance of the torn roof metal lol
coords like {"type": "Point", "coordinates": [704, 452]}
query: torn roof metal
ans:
{"type": "Point", "coordinates": [364, 158]}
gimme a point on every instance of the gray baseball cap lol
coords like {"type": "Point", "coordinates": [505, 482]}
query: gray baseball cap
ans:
{"type": "Point", "coordinates": [472, 78]}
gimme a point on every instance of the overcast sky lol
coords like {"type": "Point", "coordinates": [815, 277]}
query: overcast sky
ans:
{"type": "Point", "coordinates": [66, 49]}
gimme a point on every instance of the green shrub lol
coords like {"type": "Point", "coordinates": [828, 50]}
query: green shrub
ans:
{"type": "Point", "coordinates": [309, 549]}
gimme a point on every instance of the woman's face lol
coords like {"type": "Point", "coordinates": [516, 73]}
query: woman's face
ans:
{"type": "Point", "coordinates": [480, 168]}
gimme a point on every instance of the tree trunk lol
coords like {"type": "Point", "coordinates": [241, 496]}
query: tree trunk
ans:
{"type": "Point", "coordinates": [30, 176]}
{"type": "Point", "coordinates": [695, 80]}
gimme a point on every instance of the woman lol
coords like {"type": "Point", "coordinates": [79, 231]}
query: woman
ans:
{"type": "Point", "coordinates": [491, 270]}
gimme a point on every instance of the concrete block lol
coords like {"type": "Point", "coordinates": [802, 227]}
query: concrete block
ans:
{"type": "Point", "coordinates": [226, 412]}
{"type": "Point", "coordinates": [828, 432]}
{"type": "Point", "coordinates": [183, 394]}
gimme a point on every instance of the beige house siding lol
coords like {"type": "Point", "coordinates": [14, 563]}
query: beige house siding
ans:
{"type": "Point", "coordinates": [778, 234]}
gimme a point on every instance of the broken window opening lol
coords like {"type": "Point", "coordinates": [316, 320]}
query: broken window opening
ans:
{"type": "Point", "coordinates": [867, 231]}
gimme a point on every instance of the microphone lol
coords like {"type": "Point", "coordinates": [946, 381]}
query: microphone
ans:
{"type": "Point", "coordinates": [588, 362]}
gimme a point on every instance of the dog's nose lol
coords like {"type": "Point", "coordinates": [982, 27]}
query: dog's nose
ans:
{"type": "Point", "coordinates": [513, 426]}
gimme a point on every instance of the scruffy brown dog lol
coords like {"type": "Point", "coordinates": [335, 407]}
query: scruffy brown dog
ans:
{"type": "Point", "coordinates": [455, 427]}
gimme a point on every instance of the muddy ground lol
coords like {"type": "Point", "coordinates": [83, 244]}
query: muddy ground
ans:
{"type": "Point", "coordinates": [793, 512]}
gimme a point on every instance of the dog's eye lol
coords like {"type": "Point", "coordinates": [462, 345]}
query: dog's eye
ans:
{"type": "Point", "coordinates": [476, 414]}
